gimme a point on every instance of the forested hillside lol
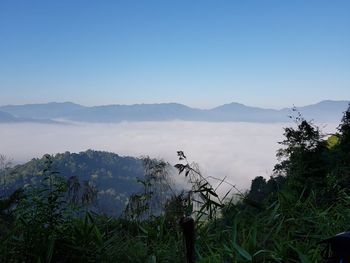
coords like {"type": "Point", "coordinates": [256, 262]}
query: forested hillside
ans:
{"type": "Point", "coordinates": [281, 219]}
{"type": "Point", "coordinates": [112, 177]}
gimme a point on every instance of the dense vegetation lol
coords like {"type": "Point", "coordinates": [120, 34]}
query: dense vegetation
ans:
{"type": "Point", "coordinates": [281, 219]}
{"type": "Point", "coordinates": [113, 177]}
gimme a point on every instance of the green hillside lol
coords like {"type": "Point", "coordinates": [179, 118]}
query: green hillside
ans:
{"type": "Point", "coordinates": [114, 177]}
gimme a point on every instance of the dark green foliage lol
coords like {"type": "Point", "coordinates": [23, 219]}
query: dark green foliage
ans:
{"type": "Point", "coordinates": [109, 177]}
{"type": "Point", "coordinates": [341, 152]}
{"type": "Point", "coordinates": [307, 199]}
{"type": "Point", "coordinates": [49, 227]}
{"type": "Point", "coordinates": [176, 208]}
{"type": "Point", "coordinates": [5, 167]}
{"type": "Point", "coordinates": [202, 199]}
{"type": "Point", "coordinates": [156, 190]}
{"type": "Point", "coordinates": [303, 157]}
{"type": "Point", "coordinates": [7, 206]}
{"type": "Point", "coordinates": [39, 217]}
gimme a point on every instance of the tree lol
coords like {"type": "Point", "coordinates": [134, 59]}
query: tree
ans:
{"type": "Point", "coordinates": [340, 153]}
{"type": "Point", "coordinates": [258, 190]}
{"type": "Point", "coordinates": [303, 157]}
{"type": "Point", "coordinates": [5, 165]}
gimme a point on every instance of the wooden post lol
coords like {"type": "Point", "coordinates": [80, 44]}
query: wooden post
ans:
{"type": "Point", "coordinates": [187, 225]}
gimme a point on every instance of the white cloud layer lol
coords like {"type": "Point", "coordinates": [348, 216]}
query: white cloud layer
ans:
{"type": "Point", "coordinates": [240, 151]}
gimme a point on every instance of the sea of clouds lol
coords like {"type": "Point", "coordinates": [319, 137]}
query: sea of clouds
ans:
{"type": "Point", "coordinates": [239, 151]}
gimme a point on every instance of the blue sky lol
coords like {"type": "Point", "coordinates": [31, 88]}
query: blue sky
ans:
{"type": "Point", "coordinates": [201, 53]}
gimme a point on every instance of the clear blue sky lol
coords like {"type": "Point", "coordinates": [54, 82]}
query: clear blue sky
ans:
{"type": "Point", "coordinates": [197, 52]}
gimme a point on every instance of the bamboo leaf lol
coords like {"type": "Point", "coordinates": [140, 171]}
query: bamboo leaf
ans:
{"type": "Point", "coordinates": [244, 253]}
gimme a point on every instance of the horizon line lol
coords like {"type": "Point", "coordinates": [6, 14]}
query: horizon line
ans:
{"type": "Point", "coordinates": [175, 103]}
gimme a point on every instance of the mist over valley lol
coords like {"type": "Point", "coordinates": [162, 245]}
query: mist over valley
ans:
{"type": "Point", "coordinates": [236, 150]}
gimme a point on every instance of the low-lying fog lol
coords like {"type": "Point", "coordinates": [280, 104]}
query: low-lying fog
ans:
{"type": "Point", "coordinates": [240, 151]}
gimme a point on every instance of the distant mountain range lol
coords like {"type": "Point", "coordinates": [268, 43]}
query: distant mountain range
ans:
{"type": "Point", "coordinates": [54, 112]}
{"type": "Point", "coordinates": [6, 117]}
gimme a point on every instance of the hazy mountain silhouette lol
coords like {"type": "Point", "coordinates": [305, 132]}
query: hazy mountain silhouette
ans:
{"type": "Point", "coordinates": [50, 110]}
{"type": "Point", "coordinates": [324, 111]}
{"type": "Point", "coordinates": [6, 117]}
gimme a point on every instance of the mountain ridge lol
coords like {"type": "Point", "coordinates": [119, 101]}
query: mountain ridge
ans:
{"type": "Point", "coordinates": [324, 111]}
